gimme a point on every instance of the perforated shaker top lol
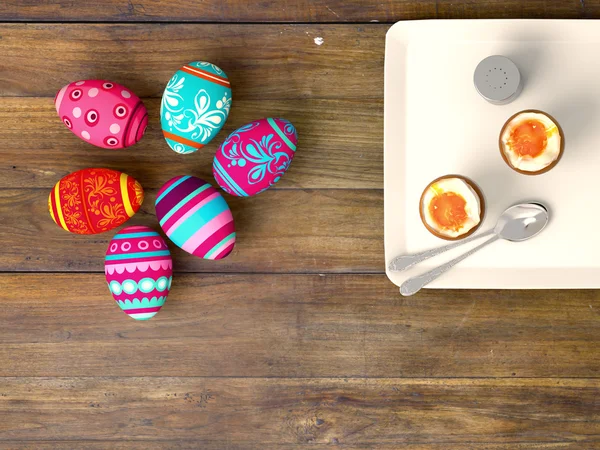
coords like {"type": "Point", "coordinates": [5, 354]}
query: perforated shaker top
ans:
{"type": "Point", "coordinates": [497, 79]}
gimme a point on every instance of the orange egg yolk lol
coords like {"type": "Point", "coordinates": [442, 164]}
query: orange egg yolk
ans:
{"type": "Point", "coordinates": [528, 138]}
{"type": "Point", "coordinates": [448, 211]}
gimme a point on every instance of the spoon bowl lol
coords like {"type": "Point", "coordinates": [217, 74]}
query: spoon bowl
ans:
{"type": "Point", "coordinates": [521, 222]}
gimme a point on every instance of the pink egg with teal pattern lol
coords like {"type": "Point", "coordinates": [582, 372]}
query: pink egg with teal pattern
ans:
{"type": "Point", "coordinates": [139, 271]}
{"type": "Point", "coordinates": [102, 113]}
{"type": "Point", "coordinates": [254, 157]}
{"type": "Point", "coordinates": [196, 217]}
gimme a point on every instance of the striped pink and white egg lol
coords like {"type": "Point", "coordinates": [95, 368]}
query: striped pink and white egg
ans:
{"type": "Point", "coordinates": [139, 271]}
{"type": "Point", "coordinates": [196, 217]}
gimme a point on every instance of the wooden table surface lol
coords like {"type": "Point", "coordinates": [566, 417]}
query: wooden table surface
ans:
{"type": "Point", "coordinates": [297, 339]}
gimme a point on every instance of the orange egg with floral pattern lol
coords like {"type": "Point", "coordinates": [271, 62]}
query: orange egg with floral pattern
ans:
{"type": "Point", "coordinates": [92, 201]}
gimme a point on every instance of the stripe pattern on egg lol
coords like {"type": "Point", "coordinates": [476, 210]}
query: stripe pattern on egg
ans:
{"type": "Point", "coordinates": [196, 217]}
{"type": "Point", "coordinates": [139, 271]}
{"type": "Point", "coordinates": [92, 201]}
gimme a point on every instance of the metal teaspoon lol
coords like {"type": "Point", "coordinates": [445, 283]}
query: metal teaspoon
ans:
{"type": "Point", "coordinates": [518, 223]}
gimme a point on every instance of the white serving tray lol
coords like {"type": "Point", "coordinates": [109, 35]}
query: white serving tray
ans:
{"type": "Point", "coordinates": [436, 123]}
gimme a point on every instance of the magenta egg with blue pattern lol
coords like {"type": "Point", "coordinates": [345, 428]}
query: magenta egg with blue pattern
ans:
{"type": "Point", "coordinates": [102, 113]}
{"type": "Point", "coordinates": [254, 157]}
{"type": "Point", "coordinates": [139, 271]}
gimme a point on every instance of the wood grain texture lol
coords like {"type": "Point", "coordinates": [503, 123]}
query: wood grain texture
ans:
{"type": "Point", "coordinates": [296, 231]}
{"type": "Point", "coordinates": [175, 444]}
{"type": "Point", "coordinates": [272, 412]}
{"type": "Point", "coordinates": [220, 11]}
{"type": "Point", "coordinates": [518, 9]}
{"type": "Point", "coordinates": [263, 62]}
{"type": "Point", "coordinates": [293, 11]}
{"type": "Point", "coordinates": [340, 145]}
{"type": "Point", "coordinates": [295, 326]}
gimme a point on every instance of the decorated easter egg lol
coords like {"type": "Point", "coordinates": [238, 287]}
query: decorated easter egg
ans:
{"type": "Point", "coordinates": [255, 156]}
{"type": "Point", "coordinates": [92, 201]}
{"type": "Point", "coordinates": [196, 217]}
{"type": "Point", "coordinates": [195, 106]}
{"type": "Point", "coordinates": [102, 113]}
{"type": "Point", "coordinates": [139, 271]}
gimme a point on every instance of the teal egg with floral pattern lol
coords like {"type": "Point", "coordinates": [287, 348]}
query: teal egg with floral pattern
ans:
{"type": "Point", "coordinates": [195, 106]}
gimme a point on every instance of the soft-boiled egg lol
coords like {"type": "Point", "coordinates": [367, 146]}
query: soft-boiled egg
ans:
{"type": "Point", "coordinates": [531, 142]}
{"type": "Point", "coordinates": [451, 207]}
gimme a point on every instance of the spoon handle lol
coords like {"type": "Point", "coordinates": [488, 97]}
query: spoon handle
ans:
{"type": "Point", "coordinates": [414, 284]}
{"type": "Point", "coordinates": [403, 262]}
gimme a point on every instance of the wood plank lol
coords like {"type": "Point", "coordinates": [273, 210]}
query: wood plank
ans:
{"type": "Point", "coordinates": [340, 145]}
{"type": "Point", "coordinates": [262, 61]}
{"type": "Point", "coordinates": [277, 231]}
{"type": "Point", "coordinates": [222, 11]}
{"type": "Point", "coordinates": [272, 412]}
{"type": "Point", "coordinates": [295, 326]}
{"type": "Point", "coordinates": [518, 9]}
{"type": "Point", "coordinates": [220, 445]}
{"type": "Point", "coordinates": [296, 11]}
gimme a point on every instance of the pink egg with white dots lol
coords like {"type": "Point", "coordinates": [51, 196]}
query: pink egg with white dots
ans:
{"type": "Point", "coordinates": [102, 113]}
